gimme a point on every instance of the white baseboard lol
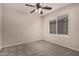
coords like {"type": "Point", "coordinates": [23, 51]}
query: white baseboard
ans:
{"type": "Point", "coordinates": [19, 43]}
{"type": "Point", "coordinates": [64, 46]}
{"type": "Point", "coordinates": [37, 40]}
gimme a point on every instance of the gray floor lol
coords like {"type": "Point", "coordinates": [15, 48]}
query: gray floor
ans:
{"type": "Point", "coordinates": [38, 48]}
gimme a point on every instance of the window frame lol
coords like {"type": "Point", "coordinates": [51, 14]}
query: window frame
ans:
{"type": "Point", "coordinates": [56, 19]}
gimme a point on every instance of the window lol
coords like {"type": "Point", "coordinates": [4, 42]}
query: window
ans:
{"type": "Point", "coordinates": [53, 27]}
{"type": "Point", "coordinates": [62, 25]}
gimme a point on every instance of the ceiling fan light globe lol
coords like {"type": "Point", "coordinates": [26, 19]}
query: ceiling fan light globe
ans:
{"type": "Point", "coordinates": [40, 9]}
{"type": "Point", "coordinates": [36, 10]}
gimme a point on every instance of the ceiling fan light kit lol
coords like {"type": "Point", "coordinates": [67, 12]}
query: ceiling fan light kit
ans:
{"type": "Point", "coordinates": [38, 8]}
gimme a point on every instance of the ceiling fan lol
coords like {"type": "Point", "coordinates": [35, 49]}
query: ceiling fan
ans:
{"type": "Point", "coordinates": [38, 7]}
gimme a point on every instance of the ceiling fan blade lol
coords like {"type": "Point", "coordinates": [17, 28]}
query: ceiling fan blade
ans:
{"type": "Point", "coordinates": [37, 4]}
{"type": "Point", "coordinates": [32, 11]}
{"type": "Point", "coordinates": [49, 8]}
{"type": "Point", "coordinates": [29, 5]}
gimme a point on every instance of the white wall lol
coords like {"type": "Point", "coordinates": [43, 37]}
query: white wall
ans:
{"type": "Point", "coordinates": [0, 26]}
{"type": "Point", "coordinates": [70, 41]}
{"type": "Point", "coordinates": [18, 27]}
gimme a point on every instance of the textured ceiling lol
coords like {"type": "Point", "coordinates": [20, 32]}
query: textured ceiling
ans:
{"type": "Point", "coordinates": [21, 7]}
